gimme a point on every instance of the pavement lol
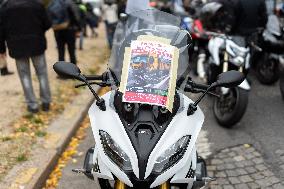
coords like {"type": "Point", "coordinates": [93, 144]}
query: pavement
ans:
{"type": "Point", "coordinates": [37, 168]}
{"type": "Point", "coordinates": [31, 171]}
{"type": "Point", "coordinates": [72, 180]}
{"type": "Point", "coordinates": [11, 93]}
{"type": "Point", "coordinates": [261, 126]}
{"type": "Point", "coordinates": [250, 155]}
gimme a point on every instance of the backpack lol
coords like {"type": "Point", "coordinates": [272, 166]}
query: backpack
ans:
{"type": "Point", "coordinates": [58, 13]}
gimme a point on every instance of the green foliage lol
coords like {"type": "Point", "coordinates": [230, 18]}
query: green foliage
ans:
{"type": "Point", "coordinates": [22, 157]}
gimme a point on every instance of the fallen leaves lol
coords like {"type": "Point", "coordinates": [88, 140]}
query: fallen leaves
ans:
{"type": "Point", "coordinates": [70, 152]}
{"type": "Point", "coordinates": [16, 146]}
{"type": "Point", "coordinates": [18, 142]}
{"type": "Point", "coordinates": [67, 155]}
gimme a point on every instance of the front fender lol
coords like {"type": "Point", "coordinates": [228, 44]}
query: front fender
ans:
{"type": "Point", "coordinates": [245, 85]}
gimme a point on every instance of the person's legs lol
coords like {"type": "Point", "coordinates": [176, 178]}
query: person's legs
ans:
{"type": "Point", "coordinates": [81, 41]}
{"type": "Point", "coordinates": [108, 34]}
{"type": "Point", "coordinates": [4, 71]}
{"type": "Point", "coordinates": [3, 66]}
{"type": "Point", "coordinates": [23, 67]}
{"type": "Point", "coordinates": [39, 63]}
{"type": "Point", "coordinates": [92, 30]}
{"type": "Point", "coordinates": [85, 30]}
{"type": "Point", "coordinates": [60, 40]}
{"type": "Point", "coordinates": [71, 43]}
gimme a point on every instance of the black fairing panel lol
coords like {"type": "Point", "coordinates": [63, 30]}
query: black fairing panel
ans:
{"type": "Point", "coordinates": [144, 124]}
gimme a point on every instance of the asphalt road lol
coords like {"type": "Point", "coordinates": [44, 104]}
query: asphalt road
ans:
{"type": "Point", "coordinates": [262, 126]}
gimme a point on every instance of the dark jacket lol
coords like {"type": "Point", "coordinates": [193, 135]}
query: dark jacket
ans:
{"type": "Point", "coordinates": [23, 26]}
{"type": "Point", "coordinates": [74, 16]}
{"type": "Point", "coordinates": [226, 18]}
{"type": "Point", "coordinates": [251, 15]}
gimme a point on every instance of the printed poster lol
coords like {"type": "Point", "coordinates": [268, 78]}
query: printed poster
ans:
{"type": "Point", "coordinates": [150, 72]}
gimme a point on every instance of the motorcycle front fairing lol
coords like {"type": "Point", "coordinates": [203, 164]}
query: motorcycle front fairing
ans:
{"type": "Point", "coordinates": [181, 125]}
{"type": "Point", "coordinates": [141, 144]}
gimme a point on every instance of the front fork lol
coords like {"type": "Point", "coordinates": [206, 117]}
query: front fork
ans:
{"type": "Point", "coordinates": [166, 185]}
{"type": "Point", "coordinates": [121, 185]}
{"type": "Point", "coordinates": [226, 68]}
{"type": "Point", "coordinates": [226, 63]}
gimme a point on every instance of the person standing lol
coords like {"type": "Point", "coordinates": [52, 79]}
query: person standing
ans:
{"type": "Point", "coordinates": [23, 27]}
{"type": "Point", "coordinates": [83, 22]}
{"type": "Point", "coordinates": [109, 10]}
{"type": "Point", "coordinates": [251, 15]}
{"type": "Point", "coordinates": [3, 62]}
{"type": "Point", "coordinates": [3, 66]}
{"type": "Point", "coordinates": [92, 19]}
{"type": "Point", "coordinates": [65, 20]}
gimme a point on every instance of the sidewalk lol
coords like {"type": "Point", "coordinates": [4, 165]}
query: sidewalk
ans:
{"type": "Point", "coordinates": [19, 130]}
{"type": "Point", "coordinates": [238, 167]}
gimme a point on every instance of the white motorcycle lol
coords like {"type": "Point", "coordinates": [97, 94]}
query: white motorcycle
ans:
{"type": "Point", "coordinates": [229, 53]}
{"type": "Point", "coordinates": [140, 145]}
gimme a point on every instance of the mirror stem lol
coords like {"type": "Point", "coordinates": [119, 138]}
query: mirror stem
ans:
{"type": "Point", "coordinates": [100, 101]}
{"type": "Point", "coordinates": [202, 96]}
{"type": "Point", "coordinates": [193, 106]}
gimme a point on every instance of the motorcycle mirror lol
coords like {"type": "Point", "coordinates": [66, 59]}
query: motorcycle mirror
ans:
{"type": "Point", "coordinates": [229, 79]}
{"type": "Point", "coordinates": [67, 70]}
{"type": "Point", "coordinates": [123, 16]}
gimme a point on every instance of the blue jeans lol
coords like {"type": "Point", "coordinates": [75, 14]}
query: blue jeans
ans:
{"type": "Point", "coordinates": [110, 29]}
{"type": "Point", "coordinates": [23, 67]}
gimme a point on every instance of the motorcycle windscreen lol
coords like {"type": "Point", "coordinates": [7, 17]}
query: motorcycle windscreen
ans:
{"type": "Point", "coordinates": [158, 35]}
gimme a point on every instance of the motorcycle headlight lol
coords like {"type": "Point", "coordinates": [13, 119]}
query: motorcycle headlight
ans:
{"type": "Point", "coordinates": [172, 155]}
{"type": "Point", "coordinates": [114, 152]}
{"type": "Point", "coordinates": [238, 61]}
{"type": "Point", "coordinates": [238, 52]}
{"type": "Point", "coordinates": [239, 58]}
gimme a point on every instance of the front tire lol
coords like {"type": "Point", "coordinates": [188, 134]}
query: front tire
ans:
{"type": "Point", "coordinates": [281, 74]}
{"type": "Point", "coordinates": [282, 87]}
{"type": "Point", "coordinates": [104, 184]}
{"type": "Point", "coordinates": [267, 70]}
{"type": "Point", "coordinates": [230, 108]}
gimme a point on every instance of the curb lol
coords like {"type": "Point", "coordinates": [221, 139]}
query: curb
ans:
{"type": "Point", "coordinates": [33, 173]}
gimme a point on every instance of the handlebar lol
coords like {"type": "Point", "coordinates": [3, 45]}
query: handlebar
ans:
{"type": "Point", "coordinates": [94, 77]}
{"type": "Point", "coordinates": [198, 88]}
{"type": "Point", "coordinates": [101, 80]}
{"type": "Point", "coordinates": [193, 85]}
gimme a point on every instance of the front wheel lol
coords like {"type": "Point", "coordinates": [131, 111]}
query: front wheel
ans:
{"type": "Point", "coordinates": [281, 74]}
{"type": "Point", "coordinates": [230, 108]}
{"type": "Point", "coordinates": [266, 70]}
{"type": "Point", "coordinates": [104, 184]}
{"type": "Point", "coordinates": [282, 87]}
